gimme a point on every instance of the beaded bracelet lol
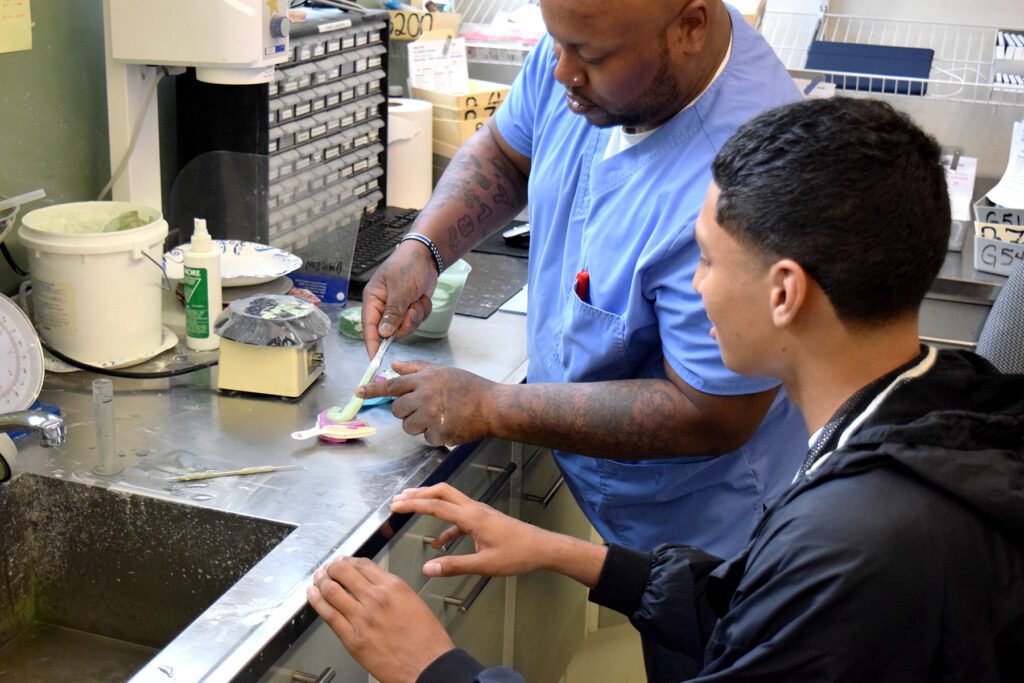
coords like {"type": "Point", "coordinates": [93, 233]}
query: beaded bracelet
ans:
{"type": "Point", "coordinates": [424, 240]}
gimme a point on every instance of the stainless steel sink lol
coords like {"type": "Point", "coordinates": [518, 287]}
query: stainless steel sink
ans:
{"type": "Point", "coordinates": [96, 581]}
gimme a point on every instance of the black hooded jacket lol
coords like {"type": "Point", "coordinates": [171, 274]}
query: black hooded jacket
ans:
{"type": "Point", "coordinates": [898, 557]}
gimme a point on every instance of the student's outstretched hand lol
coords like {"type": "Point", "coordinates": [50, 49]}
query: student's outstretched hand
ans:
{"type": "Point", "coordinates": [380, 621]}
{"type": "Point", "coordinates": [504, 546]}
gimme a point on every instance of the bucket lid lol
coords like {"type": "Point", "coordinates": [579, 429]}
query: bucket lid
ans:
{"type": "Point", "coordinates": [92, 227]}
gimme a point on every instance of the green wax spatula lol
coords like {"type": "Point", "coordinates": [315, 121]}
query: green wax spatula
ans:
{"type": "Point", "coordinates": [347, 413]}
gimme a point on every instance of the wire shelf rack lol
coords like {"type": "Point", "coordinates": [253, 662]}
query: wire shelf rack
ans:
{"type": "Point", "coordinates": [962, 68]}
{"type": "Point", "coordinates": [496, 50]}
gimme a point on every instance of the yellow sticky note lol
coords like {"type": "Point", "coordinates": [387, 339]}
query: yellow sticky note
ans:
{"type": "Point", "coordinates": [15, 25]}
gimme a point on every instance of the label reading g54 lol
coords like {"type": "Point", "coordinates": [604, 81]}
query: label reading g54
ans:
{"type": "Point", "coordinates": [197, 303]}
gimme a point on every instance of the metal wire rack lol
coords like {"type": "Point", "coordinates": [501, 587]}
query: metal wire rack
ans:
{"type": "Point", "coordinates": [483, 12]}
{"type": "Point", "coordinates": [962, 68]}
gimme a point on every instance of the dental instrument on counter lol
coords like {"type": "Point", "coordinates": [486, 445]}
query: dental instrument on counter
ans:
{"type": "Point", "coordinates": [196, 476]}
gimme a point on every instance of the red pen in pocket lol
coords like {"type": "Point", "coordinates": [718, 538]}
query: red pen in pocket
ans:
{"type": "Point", "coordinates": [583, 286]}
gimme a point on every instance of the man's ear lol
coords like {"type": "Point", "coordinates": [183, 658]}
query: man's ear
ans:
{"type": "Point", "coordinates": [789, 291]}
{"type": "Point", "coordinates": [691, 26]}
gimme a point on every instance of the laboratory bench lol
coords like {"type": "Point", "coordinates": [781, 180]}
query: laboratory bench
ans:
{"type": "Point", "coordinates": [334, 503]}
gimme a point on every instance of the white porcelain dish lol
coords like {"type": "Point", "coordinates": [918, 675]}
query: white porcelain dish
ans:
{"type": "Point", "coordinates": [242, 263]}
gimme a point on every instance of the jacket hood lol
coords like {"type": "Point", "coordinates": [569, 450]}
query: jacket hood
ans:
{"type": "Point", "coordinates": [959, 426]}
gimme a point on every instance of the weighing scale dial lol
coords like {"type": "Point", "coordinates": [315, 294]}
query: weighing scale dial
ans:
{"type": "Point", "coordinates": [21, 359]}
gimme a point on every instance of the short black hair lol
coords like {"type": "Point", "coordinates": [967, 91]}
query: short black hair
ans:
{"type": "Point", "coordinates": [850, 189]}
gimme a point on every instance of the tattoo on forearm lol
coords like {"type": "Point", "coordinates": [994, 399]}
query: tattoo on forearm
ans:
{"type": "Point", "coordinates": [501, 196]}
{"type": "Point", "coordinates": [595, 421]}
{"type": "Point", "coordinates": [469, 197]}
{"type": "Point", "coordinates": [510, 173]}
{"type": "Point", "coordinates": [486, 190]}
{"type": "Point", "coordinates": [481, 180]}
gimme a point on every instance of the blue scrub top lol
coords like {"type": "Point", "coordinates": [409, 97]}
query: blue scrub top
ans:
{"type": "Point", "coordinates": [628, 220]}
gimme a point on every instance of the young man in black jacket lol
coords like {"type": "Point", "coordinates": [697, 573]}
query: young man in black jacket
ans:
{"type": "Point", "coordinates": [898, 552]}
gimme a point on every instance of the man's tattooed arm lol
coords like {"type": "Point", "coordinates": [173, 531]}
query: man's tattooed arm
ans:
{"type": "Point", "coordinates": [483, 188]}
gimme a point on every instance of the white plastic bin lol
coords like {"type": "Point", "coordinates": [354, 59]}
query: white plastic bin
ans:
{"type": "Point", "coordinates": [96, 295]}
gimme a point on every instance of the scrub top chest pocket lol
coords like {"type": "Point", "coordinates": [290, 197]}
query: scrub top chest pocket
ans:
{"type": "Point", "coordinates": [592, 345]}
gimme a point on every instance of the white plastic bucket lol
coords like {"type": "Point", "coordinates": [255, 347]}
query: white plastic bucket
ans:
{"type": "Point", "coordinates": [96, 296]}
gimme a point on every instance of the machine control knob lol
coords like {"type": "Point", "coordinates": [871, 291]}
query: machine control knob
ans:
{"type": "Point", "coordinates": [279, 26]}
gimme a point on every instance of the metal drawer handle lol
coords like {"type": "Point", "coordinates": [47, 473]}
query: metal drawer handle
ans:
{"type": "Point", "coordinates": [545, 499]}
{"type": "Point", "coordinates": [463, 604]}
{"type": "Point", "coordinates": [487, 497]}
{"type": "Point", "coordinates": [325, 677]}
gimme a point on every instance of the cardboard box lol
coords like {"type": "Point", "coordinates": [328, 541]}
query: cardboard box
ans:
{"type": "Point", "coordinates": [996, 256]}
{"type": "Point", "coordinates": [481, 94]}
{"type": "Point", "coordinates": [445, 149]}
{"type": "Point", "coordinates": [481, 112]}
{"type": "Point", "coordinates": [456, 132]}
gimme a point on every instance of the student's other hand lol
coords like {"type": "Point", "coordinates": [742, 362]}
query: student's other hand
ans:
{"type": "Point", "coordinates": [397, 297]}
{"type": "Point", "coordinates": [380, 621]}
{"type": "Point", "coordinates": [445, 405]}
{"type": "Point", "coordinates": [504, 546]}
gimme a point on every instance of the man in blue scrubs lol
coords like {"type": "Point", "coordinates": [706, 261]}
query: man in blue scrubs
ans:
{"type": "Point", "coordinates": [610, 130]}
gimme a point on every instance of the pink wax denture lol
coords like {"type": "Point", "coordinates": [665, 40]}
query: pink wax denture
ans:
{"type": "Point", "coordinates": [323, 421]}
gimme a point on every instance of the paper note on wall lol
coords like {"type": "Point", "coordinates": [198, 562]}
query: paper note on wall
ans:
{"type": "Point", "coordinates": [439, 65]}
{"type": "Point", "coordinates": [15, 25]}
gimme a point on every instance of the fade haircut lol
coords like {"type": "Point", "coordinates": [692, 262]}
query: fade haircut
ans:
{"type": "Point", "coordinates": [851, 190]}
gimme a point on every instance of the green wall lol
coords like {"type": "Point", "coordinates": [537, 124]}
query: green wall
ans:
{"type": "Point", "coordinates": [53, 112]}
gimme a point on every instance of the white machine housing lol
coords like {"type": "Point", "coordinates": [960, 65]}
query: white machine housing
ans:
{"type": "Point", "coordinates": [231, 42]}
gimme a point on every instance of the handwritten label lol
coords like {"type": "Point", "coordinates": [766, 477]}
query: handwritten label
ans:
{"type": "Point", "coordinates": [1003, 233]}
{"type": "Point", "coordinates": [1001, 256]}
{"type": "Point", "coordinates": [479, 112]}
{"type": "Point", "coordinates": [408, 25]}
{"type": "Point", "coordinates": [489, 100]}
{"type": "Point", "coordinates": [412, 25]}
{"type": "Point", "coordinates": [997, 215]}
{"type": "Point", "coordinates": [15, 25]}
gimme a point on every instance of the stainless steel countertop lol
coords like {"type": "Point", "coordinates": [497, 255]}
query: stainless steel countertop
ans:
{"type": "Point", "coordinates": [166, 427]}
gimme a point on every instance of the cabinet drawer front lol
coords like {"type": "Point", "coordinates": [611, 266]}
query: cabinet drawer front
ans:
{"type": "Point", "coordinates": [472, 608]}
{"type": "Point", "coordinates": [477, 478]}
{"type": "Point", "coordinates": [542, 482]}
{"type": "Point", "coordinates": [317, 649]}
{"type": "Point", "coordinates": [480, 629]}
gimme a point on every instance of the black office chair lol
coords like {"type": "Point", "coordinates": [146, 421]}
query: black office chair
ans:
{"type": "Point", "coordinates": [1001, 341]}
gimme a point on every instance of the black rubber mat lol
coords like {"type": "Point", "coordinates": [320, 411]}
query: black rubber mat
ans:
{"type": "Point", "coordinates": [494, 280]}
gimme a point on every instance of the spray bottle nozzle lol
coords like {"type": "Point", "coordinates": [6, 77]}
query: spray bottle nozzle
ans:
{"type": "Point", "coordinates": [200, 236]}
